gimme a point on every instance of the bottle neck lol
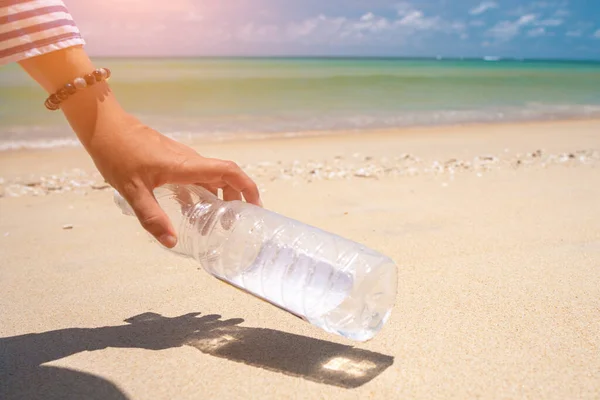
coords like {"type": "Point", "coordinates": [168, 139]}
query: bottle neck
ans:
{"type": "Point", "coordinates": [191, 210]}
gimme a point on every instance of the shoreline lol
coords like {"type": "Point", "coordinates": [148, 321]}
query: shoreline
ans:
{"type": "Point", "coordinates": [243, 137]}
{"type": "Point", "coordinates": [376, 154]}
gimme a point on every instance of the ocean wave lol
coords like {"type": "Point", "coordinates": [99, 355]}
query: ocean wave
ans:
{"type": "Point", "coordinates": [262, 127]}
{"type": "Point", "coordinates": [6, 145]}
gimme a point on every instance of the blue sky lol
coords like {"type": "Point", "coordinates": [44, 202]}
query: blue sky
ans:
{"type": "Point", "coordinates": [508, 28]}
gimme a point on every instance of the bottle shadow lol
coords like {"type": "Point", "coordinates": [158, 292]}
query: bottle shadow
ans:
{"type": "Point", "coordinates": [22, 374]}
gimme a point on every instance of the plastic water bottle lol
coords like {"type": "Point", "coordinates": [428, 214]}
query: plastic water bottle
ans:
{"type": "Point", "coordinates": [331, 282]}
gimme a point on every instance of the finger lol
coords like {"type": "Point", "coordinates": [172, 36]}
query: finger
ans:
{"type": "Point", "coordinates": [212, 171]}
{"type": "Point", "coordinates": [241, 182]}
{"type": "Point", "coordinates": [230, 194]}
{"type": "Point", "coordinates": [152, 218]}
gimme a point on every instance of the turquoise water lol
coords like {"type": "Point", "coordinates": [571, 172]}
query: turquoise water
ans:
{"type": "Point", "coordinates": [221, 98]}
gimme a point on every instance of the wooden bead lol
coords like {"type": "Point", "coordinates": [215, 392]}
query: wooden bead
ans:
{"type": "Point", "coordinates": [98, 75]}
{"type": "Point", "coordinates": [62, 94]}
{"type": "Point", "coordinates": [90, 79]}
{"type": "Point", "coordinates": [70, 88]}
{"type": "Point", "coordinates": [53, 99]}
{"type": "Point", "coordinates": [50, 106]}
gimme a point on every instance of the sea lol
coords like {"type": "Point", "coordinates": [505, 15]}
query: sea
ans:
{"type": "Point", "coordinates": [228, 98]}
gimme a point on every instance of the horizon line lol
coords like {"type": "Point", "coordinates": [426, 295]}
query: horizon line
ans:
{"type": "Point", "coordinates": [491, 58]}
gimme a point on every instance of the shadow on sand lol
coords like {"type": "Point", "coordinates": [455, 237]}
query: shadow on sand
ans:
{"type": "Point", "coordinates": [23, 376]}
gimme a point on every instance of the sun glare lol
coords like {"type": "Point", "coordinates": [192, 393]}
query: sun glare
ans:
{"type": "Point", "coordinates": [350, 367]}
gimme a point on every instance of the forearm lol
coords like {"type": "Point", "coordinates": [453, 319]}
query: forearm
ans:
{"type": "Point", "coordinates": [52, 70]}
{"type": "Point", "coordinates": [90, 111]}
{"type": "Point", "coordinates": [133, 158]}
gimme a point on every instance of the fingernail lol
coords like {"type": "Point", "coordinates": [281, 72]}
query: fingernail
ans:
{"type": "Point", "coordinates": [168, 240]}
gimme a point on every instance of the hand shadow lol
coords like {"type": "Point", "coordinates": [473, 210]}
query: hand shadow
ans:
{"type": "Point", "coordinates": [22, 374]}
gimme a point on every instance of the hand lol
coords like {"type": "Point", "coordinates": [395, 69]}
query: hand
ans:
{"type": "Point", "coordinates": [136, 159]}
{"type": "Point", "coordinates": [133, 158]}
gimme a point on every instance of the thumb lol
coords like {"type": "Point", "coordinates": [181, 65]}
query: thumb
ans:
{"type": "Point", "coordinates": [152, 218]}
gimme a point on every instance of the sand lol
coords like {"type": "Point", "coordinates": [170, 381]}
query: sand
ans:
{"type": "Point", "coordinates": [495, 230]}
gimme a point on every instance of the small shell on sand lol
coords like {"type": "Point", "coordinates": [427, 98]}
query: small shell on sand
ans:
{"type": "Point", "coordinates": [100, 186]}
{"type": "Point", "coordinates": [67, 227]}
{"type": "Point", "coordinates": [335, 167]}
{"type": "Point", "coordinates": [361, 173]}
{"type": "Point", "coordinates": [32, 182]}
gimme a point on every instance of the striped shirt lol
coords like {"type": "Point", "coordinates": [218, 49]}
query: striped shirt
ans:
{"type": "Point", "coordinates": [30, 28]}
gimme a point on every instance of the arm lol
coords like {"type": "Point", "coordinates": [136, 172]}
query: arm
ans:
{"type": "Point", "coordinates": [132, 157]}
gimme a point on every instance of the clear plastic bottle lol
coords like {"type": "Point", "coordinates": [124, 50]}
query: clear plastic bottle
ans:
{"type": "Point", "coordinates": [331, 282]}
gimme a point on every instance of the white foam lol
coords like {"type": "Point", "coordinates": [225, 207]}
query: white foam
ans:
{"type": "Point", "coordinates": [8, 145]}
{"type": "Point", "coordinates": [302, 125]}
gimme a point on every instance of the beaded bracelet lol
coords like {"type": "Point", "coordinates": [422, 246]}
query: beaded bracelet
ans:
{"type": "Point", "coordinates": [53, 101]}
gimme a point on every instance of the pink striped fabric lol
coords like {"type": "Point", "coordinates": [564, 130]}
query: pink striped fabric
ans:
{"type": "Point", "coordinates": [30, 28]}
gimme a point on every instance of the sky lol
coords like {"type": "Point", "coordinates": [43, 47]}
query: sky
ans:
{"type": "Point", "coordinates": [447, 28]}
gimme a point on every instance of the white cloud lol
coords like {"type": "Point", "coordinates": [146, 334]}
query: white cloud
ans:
{"type": "Point", "coordinates": [550, 22]}
{"type": "Point", "coordinates": [597, 34]}
{"type": "Point", "coordinates": [537, 32]}
{"type": "Point", "coordinates": [317, 26]}
{"type": "Point", "coordinates": [477, 22]}
{"type": "Point", "coordinates": [555, 8]}
{"type": "Point", "coordinates": [417, 20]}
{"type": "Point", "coordinates": [525, 19]}
{"type": "Point", "coordinates": [506, 30]}
{"type": "Point", "coordinates": [483, 7]}
{"type": "Point", "coordinates": [403, 8]}
{"type": "Point", "coordinates": [323, 29]}
{"type": "Point", "coordinates": [368, 17]}
{"type": "Point", "coordinates": [575, 33]}
{"type": "Point", "coordinates": [457, 26]}
{"type": "Point", "coordinates": [550, 4]}
{"type": "Point", "coordinates": [371, 23]}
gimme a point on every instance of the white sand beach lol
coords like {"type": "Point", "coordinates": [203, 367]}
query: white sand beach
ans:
{"type": "Point", "coordinates": [495, 230]}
